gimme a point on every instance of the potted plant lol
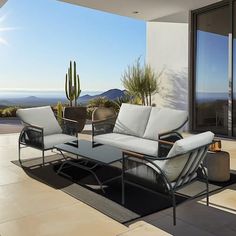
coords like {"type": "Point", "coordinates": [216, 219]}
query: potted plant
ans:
{"type": "Point", "coordinates": [72, 89]}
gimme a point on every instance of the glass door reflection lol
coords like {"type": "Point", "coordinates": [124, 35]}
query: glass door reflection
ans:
{"type": "Point", "coordinates": [211, 71]}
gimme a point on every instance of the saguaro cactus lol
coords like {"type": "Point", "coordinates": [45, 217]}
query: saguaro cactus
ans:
{"type": "Point", "coordinates": [72, 85]}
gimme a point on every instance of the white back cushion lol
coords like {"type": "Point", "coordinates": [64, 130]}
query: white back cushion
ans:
{"type": "Point", "coordinates": [163, 120]}
{"type": "Point", "coordinates": [132, 119]}
{"type": "Point", "coordinates": [173, 167]}
{"type": "Point", "coordinates": [40, 116]}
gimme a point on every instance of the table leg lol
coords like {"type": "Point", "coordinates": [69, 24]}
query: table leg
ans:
{"type": "Point", "coordinates": [123, 180]}
{"type": "Point", "coordinates": [89, 169]}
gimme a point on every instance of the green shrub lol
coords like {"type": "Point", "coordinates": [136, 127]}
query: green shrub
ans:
{"type": "Point", "coordinates": [90, 112]}
{"type": "Point", "coordinates": [59, 112]}
{"type": "Point", "coordinates": [100, 102]}
{"type": "Point", "coordinates": [97, 102]}
{"type": "Point", "coordinates": [9, 112]}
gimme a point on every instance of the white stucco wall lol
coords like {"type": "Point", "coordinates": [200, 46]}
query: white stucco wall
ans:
{"type": "Point", "coordinates": [167, 52]}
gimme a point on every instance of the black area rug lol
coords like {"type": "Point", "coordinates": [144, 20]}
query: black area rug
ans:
{"type": "Point", "coordinates": [139, 202]}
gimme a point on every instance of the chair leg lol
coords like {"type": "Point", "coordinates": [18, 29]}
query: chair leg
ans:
{"type": "Point", "coordinates": [43, 157]}
{"type": "Point", "coordinates": [19, 147]}
{"type": "Point", "coordinates": [174, 208]}
{"type": "Point", "coordinates": [123, 192]}
{"type": "Point", "coordinates": [205, 174]}
{"type": "Point", "coordinates": [77, 147]}
{"type": "Point", "coordinates": [123, 180]}
{"type": "Point", "coordinates": [207, 191]}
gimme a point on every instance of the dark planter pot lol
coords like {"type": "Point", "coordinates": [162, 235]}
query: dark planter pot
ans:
{"type": "Point", "coordinates": [76, 113]}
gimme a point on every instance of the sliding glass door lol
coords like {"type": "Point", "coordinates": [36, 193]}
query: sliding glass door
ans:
{"type": "Point", "coordinates": [234, 71]}
{"type": "Point", "coordinates": [211, 76]}
{"type": "Point", "coordinates": [213, 69]}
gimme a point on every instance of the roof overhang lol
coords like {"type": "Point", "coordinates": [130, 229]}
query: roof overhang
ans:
{"type": "Point", "coordinates": [147, 10]}
{"type": "Point", "coordinates": [2, 2]}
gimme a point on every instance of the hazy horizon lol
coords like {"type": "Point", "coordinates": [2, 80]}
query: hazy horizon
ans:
{"type": "Point", "coordinates": [41, 98]}
{"type": "Point", "coordinates": [4, 94]}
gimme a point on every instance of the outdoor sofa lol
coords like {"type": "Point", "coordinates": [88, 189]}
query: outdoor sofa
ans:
{"type": "Point", "coordinates": [138, 128]}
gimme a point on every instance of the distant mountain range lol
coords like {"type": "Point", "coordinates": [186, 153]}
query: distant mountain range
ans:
{"type": "Point", "coordinates": [111, 94]}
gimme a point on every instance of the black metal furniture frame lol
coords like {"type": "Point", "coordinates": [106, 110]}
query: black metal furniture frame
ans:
{"type": "Point", "coordinates": [164, 186]}
{"type": "Point", "coordinates": [33, 136]}
{"type": "Point", "coordinates": [84, 162]}
{"type": "Point", "coordinates": [102, 127]}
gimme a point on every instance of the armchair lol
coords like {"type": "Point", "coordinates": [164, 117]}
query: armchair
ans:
{"type": "Point", "coordinates": [167, 175]}
{"type": "Point", "coordinates": [42, 131]}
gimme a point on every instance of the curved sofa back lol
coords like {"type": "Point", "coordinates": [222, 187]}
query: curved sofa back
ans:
{"type": "Point", "coordinates": [147, 122]}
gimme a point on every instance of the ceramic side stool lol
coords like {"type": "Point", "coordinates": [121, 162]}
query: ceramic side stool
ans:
{"type": "Point", "coordinates": [218, 166]}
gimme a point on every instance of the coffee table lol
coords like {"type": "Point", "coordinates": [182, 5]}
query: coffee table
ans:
{"type": "Point", "coordinates": [101, 155]}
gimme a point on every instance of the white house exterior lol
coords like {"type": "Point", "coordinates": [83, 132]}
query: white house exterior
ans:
{"type": "Point", "coordinates": [171, 61]}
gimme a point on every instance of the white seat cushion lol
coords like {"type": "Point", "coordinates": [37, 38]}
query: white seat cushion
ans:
{"type": "Point", "coordinates": [130, 143]}
{"type": "Point", "coordinates": [40, 116]}
{"type": "Point", "coordinates": [163, 120]}
{"type": "Point", "coordinates": [51, 140]}
{"type": "Point", "coordinates": [132, 119]}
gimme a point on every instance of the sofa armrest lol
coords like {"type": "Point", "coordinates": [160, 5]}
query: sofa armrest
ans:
{"type": "Point", "coordinates": [103, 126]}
{"type": "Point", "coordinates": [69, 120]}
{"type": "Point", "coordinates": [68, 126]}
{"type": "Point", "coordinates": [170, 135]}
{"type": "Point", "coordinates": [133, 154]}
{"type": "Point", "coordinates": [166, 141]}
{"type": "Point", "coordinates": [143, 156]}
{"type": "Point", "coordinates": [32, 135]}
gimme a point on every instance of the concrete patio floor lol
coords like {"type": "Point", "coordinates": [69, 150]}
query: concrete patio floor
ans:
{"type": "Point", "coordinates": [10, 125]}
{"type": "Point", "coordinates": [28, 207]}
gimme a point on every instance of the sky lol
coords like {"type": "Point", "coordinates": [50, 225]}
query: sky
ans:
{"type": "Point", "coordinates": [212, 62]}
{"type": "Point", "coordinates": [39, 38]}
